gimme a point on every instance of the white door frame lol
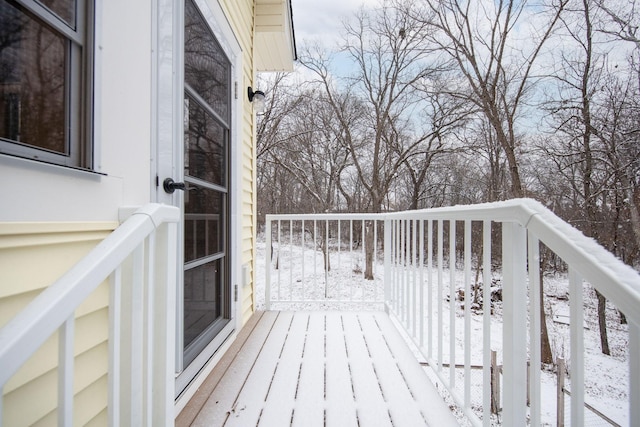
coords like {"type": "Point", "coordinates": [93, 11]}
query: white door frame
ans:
{"type": "Point", "coordinates": [167, 145]}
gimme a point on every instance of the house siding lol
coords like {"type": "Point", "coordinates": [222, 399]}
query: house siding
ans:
{"type": "Point", "coordinates": [48, 222]}
{"type": "Point", "coordinates": [56, 216]}
{"type": "Point", "coordinates": [32, 256]}
{"type": "Point", "coordinates": [241, 18]}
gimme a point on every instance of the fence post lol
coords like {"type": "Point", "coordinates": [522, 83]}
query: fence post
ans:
{"type": "Point", "coordinates": [495, 383]}
{"type": "Point", "coordinates": [560, 393]}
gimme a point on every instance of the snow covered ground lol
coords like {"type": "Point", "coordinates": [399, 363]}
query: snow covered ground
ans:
{"type": "Point", "coordinates": [606, 377]}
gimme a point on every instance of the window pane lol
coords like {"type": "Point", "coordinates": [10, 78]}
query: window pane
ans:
{"type": "Point", "coordinates": [206, 67]}
{"type": "Point", "coordinates": [205, 142]}
{"type": "Point", "coordinates": [65, 9]}
{"type": "Point", "coordinates": [203, 222]}
{"type": "Point", "coordinates": [202, 299]}
{"type": "Point", "coordinates": [32, 82]}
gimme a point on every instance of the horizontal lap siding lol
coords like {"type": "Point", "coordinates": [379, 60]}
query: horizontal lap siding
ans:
{"type": "Point", "coordinates": [241, 17]}
{"type": "Point", "coordinates": [32, 257]}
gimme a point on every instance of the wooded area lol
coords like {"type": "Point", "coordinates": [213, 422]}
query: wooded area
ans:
{"type": "Point", "coordinates": [431, 103]}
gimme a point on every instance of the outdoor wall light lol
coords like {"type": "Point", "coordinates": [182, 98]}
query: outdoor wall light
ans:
{"type": "Point", "coordinates": [257, 98]}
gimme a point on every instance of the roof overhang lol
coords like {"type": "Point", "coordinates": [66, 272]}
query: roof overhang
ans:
{"type": "Point", "coordinates": [274, 43]}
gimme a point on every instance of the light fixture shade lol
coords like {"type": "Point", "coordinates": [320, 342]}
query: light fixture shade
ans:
{"type": "Point", "coordinates": [257, 98]}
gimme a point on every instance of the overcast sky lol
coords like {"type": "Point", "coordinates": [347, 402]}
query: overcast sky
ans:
{"type": "Point", "coordinates": [322, 20]}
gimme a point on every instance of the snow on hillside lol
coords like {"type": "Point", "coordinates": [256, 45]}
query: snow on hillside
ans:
{"type": "Point", "coordinates": [606, 377]}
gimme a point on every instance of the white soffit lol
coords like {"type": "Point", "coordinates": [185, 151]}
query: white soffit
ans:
{"type": "Point", "coordinates": [275, 48]}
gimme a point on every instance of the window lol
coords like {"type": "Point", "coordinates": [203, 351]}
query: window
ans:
{"type": "Point", "coordinates": [46, 80]}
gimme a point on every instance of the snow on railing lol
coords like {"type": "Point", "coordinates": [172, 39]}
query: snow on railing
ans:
{"type": "Point", "coordinates": [138, 260]}
{"type": "Point", "coordinates": [417, 277]}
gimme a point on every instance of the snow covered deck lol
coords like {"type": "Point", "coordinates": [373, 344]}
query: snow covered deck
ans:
{"type": "Point", "coordinates": [316, 369]}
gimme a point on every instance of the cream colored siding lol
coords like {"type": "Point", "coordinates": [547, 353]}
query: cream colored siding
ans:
{"type": "Point", "coordinates": [32, 256]}
{"type": "Point", "coordinates": [241, 15]}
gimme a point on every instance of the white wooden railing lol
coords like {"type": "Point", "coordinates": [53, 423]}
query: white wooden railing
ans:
{"type": "Point", "coordinates": [411, 283]}
{"type": "Point", "coordinates": [138, 259]}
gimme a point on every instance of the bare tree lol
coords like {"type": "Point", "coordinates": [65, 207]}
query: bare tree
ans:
{"type": "Point", "coordinates": [482, 40]}
{"type": "Point", "coordinates": [388, 51]}
{"type": "Point", "coordinates": [623, 25]}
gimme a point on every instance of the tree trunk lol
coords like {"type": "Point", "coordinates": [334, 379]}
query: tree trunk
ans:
{"type": "Point", "coordinates": [368, 249]}
{"type": "Point", "coordinates": [546, 355]}
{"type": "Point", "coordinates": [634, 196]}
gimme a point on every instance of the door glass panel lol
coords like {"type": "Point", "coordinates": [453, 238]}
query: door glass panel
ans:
{"type": "Point", "coordinates": [207, 287]}
{"type": "Point", "coordinates": [207, 69]}
{"type": "Point", "coordinates": [202, 299]}
{"type": "Point", "coordinates": [205, 143]}
{"type": "Point", "coordinates": [203, 221]}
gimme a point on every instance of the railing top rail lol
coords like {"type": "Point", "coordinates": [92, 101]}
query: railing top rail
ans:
{"type": "Point", "coordinates": [28, 330]}
{"type": "Point", "coordinates": [325, 216]}
{"type": "Point", "coordinates": [509, 210]}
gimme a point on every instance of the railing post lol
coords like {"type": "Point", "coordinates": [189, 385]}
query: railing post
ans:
{"type": "Point", "coordinates": [514, 256]}
{"type": "Point", "coordinates": [164, 313]}
{"type": "Point", "coordinates": [267, 264]}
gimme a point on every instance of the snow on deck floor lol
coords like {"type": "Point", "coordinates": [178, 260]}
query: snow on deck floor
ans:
{"type": "Point", "coordinates": [315, 369]}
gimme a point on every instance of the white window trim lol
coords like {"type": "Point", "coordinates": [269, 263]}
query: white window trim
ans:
{"type": "Point", "coordinates": [83, 147]}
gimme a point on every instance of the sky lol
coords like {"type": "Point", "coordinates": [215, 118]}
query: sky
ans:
{"type": "Point", "coordinates": [322, 20]}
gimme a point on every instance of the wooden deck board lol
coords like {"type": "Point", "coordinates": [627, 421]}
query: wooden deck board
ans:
{"type": "Point", "coordinates": [278, 408]}
{"type": "Point", "coordinates": [309, 405]}
{"type": "Point", "coordinates": [320, 369]}
{"type": "Point", "coordinates": [365, 382]}
{"type": "Point", "coordinates": [339, 400]}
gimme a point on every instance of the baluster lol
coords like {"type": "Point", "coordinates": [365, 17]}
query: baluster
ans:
{"type": "Point", "coordinates": [577, 347]}
{"type": "Point", "coordinates": [304, 293]}
{"type": "Point", "coordinates": [290, 260]}
{"type": "Point", "coordinates": [440, 296]}
{"type": "Point", "coordinates": [534, 330]}
{"type": "Point", "coordinates": [634, 373]}
{"type": "Point", "coordinates": [115, 338]}
{"type": "Point", "coordinates": [148, 355]}
{"type": "Point", "coordinates": [137, 336]}
{"type": "Point", "coordinates": [65, 372]}
{"type": "Point", "coordinates": [486, 322]}
{"type": "Point", "coordinates": [421, 296]}
{"type": "Point", "coordinates": [467, 314]}
{"type": "Point", "coordinates": [387, 262]}
{"type": "Point", "coordinates": [430, 286]}
{"type": "Point", "coordinates": [452, 304]}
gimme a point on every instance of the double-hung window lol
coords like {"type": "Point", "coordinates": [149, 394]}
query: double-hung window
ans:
{"type": "Point", "coordinates": [46, 76]}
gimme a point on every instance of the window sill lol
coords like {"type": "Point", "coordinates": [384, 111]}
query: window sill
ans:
{"type": "Point", "coordinates": [45, 166]}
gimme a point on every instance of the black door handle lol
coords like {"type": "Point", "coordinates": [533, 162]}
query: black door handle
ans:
{"type": "Point", "coordinates": [170, 186]}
